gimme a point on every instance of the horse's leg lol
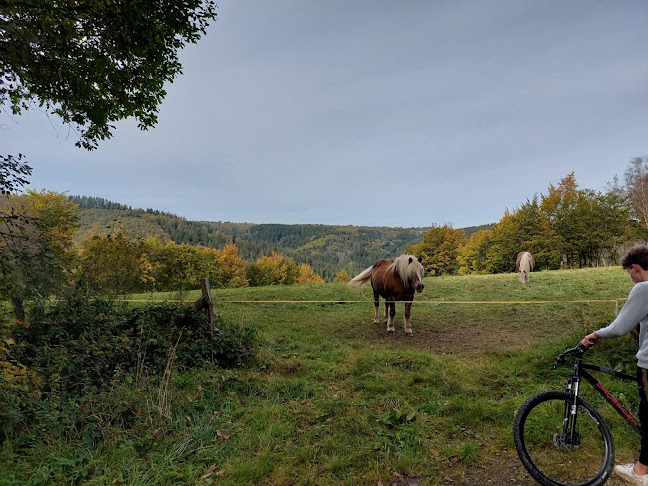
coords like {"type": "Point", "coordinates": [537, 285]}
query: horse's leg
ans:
{"type": "Point", "coordinates": [376, 305]}
{"type": "Point", "coordinates": [408, 324]}
{"type": "Point", "coordinates": [390, 319]}
{"type": "Point", "coordinates": [386, 312]}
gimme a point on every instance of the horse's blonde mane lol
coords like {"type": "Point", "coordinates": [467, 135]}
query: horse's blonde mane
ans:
{"type": "Point", "coordinates": [526, 262]}
{"type": "Point", "coordinates": [405, 270]}
{"type": "Point", "coordinates": [526, 265]}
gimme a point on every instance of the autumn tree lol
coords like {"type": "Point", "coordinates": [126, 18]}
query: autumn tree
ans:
{"type": "Point", "coordinates": [439, 249]}
{"type": "Point", "coordinates": [599, 227]}
{"type": "Point", "coordinates": [273, 270]}
{"type": "Point", "coordinates": [180, 267]}
{"type": "Point", "coordinates": [342, 276]}
{"type": "Point", "coordinates": [504, 244]}
{"type": "Point", "coordinates": [114, 264]}
{"type": "Point", "coordinates": [471, 257]}
{"type": "Point", "coordinates": [557, 210]}
{"type": "Point", "coordinates": [231, 271]}
{"type": "Point", "coordinates": [518, 230]}
{"type": "Point", "coordinates": [36, 246]}
{"type": "Point", "coordinates": [583, 227]}
{"type": "Point", "coordinates": [530, 229]}
{"type": "Point", "coordinates": [308, 276]}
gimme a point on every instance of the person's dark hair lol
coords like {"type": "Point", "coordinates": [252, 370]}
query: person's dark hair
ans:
{"type": "Point", "coordinates": [637, 254]}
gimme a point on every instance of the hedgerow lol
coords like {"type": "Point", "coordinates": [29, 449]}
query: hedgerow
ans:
{"type": "Point", "coordinates": [59, 370]}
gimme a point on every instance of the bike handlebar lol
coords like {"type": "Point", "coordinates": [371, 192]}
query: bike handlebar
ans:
{"type": "Point", "coordinates": [577, 351]}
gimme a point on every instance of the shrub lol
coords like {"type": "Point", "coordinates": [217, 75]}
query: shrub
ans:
{"type": "Point", "coordinates": [81, 348]}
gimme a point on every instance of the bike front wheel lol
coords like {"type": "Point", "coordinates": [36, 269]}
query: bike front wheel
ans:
{"type": "Point", "coordinates": [554, 457]}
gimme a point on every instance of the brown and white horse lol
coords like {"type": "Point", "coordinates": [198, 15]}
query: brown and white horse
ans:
{"type": "Point", "coordinates": [395, 280]}
{"type": "Point", "coordinates": [524, 263]}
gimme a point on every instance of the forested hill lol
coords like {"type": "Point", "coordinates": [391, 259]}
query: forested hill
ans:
{"type": "Point", "coordinates": [327, 248]}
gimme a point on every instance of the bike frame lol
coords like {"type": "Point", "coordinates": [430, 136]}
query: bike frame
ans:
{"type": "Point", "coordinates": [580, 370]}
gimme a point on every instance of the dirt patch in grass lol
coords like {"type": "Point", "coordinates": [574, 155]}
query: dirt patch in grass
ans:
{"type": "Point", "coordinates": [459, 338]}
{"type": "Point", "coordinates": [462, 337]}
{"type": "Point", "coordinates": [469, 329]}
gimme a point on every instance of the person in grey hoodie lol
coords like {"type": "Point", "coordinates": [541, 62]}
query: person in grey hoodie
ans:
{"type": "Point", "coordinates": [635, 311]}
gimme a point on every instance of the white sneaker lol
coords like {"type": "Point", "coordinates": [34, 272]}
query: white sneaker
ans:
{"type": "Point", "coordinates": [627, 473]}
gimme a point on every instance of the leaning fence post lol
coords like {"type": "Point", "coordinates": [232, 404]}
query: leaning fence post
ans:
{"type": "Point", "coordinates": [206, 302]}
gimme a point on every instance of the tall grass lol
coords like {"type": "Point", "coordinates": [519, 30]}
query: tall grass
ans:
{"type": "Point", "coordinates": [332, 399]}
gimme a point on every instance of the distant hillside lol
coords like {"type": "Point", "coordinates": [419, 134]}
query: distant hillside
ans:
{"type": "Point", "coordinates": [327, 248]}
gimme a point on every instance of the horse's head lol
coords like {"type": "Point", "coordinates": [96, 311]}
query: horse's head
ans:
{"type": "Point", "coordinates": [415, 274]}
{"type": "Point", "coordinates": [410, 270]}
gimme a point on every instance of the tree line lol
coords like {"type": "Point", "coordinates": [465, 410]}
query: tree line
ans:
{"type": "Point", "coordinates": [567, 227]}
{"type": "Point", "coordinates": [326, 248]}
{"type": "Point", "coordinates": [38, 257]}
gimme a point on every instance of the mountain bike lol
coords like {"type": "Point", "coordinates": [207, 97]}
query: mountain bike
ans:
{"type": "Point", "coordinates": [562, 439]}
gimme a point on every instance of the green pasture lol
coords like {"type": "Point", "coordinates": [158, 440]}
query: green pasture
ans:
{"type": "Point", "coordinates": [331, 399]}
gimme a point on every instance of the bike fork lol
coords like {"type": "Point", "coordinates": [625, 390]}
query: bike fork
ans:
{"type": "Point", "coordinates": [569, 434]}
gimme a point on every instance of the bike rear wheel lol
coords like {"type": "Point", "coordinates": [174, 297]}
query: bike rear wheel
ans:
{"type": "Point", "coordinates": [549, 455]}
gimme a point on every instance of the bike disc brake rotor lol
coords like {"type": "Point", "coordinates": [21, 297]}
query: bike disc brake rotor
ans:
{"type": "Point", "coordinates": [565, 444]}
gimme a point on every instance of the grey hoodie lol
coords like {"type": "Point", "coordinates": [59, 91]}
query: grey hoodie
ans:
{"type": "Point", "coordinates": [635, 311]}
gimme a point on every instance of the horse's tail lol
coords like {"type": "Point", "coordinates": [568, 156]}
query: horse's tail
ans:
{"type": "Point", "coordinates": [361, 279]}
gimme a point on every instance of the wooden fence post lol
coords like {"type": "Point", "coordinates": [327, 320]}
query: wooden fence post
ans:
{"type": "Point", "coordinates": [206, 302]}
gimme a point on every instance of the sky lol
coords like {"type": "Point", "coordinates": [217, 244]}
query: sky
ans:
{"type": "Point", "coordinates": [372, 113]}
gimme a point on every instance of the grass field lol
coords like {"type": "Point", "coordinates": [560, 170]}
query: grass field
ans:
{"type": "Point", "coordinates": [332, 399]}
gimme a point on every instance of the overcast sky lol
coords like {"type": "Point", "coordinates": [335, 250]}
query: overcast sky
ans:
{"type": "Point", "coordinates": [373, 113]}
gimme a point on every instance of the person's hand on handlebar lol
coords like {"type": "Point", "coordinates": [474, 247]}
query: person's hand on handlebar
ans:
{"type": "Point", "coordinates": [589, 340]}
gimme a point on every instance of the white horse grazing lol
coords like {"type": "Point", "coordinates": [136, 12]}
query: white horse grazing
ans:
{"type": "Point", "coordinates": [395, 280]}
{"type": "Point", "coordinates": [524, 263]}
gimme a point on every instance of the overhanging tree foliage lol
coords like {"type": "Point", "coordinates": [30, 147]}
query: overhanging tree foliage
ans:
{"type": "Point", "coordinates": [13, 173]}
{"type": "Point", "coordinates": [94, 62]}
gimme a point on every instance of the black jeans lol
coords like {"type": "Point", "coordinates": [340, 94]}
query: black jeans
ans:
{"type": "Point", "coordinates": [642, 376]}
